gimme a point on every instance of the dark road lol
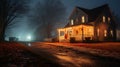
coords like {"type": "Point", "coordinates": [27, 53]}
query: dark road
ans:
{"type": "Point", "coordinates": [71, 57]}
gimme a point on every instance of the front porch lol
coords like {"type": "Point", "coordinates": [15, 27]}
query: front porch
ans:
{"type": "Point", "coordinates": [76, 33]}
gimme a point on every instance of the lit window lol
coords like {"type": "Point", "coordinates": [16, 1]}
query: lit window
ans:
{"type": "Point", "coordinates": [98, 30]}
{"type": "Point", "coordinates": [83, 19]}
{"type": "Point", "coordinates": [69, 32]}
{"type": "Point", "coordinates": [61, 33]}
{"type": "Point", "coordinates": [105, 33]}
{"type": "Point", "coordinates": [72, 22]}
{"type": "Point", "coordinates": [108, 19]}
{"type": "Point", "coordinates": [111, 32]}
{"type": "Point", "coordinates": [103, 18]}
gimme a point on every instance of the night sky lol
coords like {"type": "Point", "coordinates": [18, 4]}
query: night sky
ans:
{"type": "Point", "coordinates": [114, 4]}
{"type": "Point", "coordinates": [22, 28]}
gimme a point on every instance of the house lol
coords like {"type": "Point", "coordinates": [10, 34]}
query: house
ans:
{"type": "Point", "coordinates": [118, 35]}
{"type": "Point", "coordinates": [95, 24]}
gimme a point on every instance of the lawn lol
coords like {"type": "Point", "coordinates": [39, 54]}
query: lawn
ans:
{"type": "Point", "coordinates": [111, 49]}
{"type": "Point", "coordinates": [109, 46]}
{"type": "Point", "coordinates": [13, 54]}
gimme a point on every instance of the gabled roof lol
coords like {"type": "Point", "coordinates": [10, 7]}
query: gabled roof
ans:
{"type": "Point", "coordinates": [94, 13]}
{"type": "Point", "coordinates": [83, 9]}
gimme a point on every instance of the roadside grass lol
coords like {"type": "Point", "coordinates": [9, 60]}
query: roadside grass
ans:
{"type": "Point", "coordinates": [13, 54]}
{"type": "Point", "coordinates": [109, 46]}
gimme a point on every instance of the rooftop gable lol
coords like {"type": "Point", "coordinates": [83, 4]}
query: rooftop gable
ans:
{"type": "Point", "coordinates": [93, 14]}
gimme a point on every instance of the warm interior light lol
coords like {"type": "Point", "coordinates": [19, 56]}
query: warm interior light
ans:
{"type": "Point", "coordinates": [105, 33]}
{"type": "Point", "coordinates": [83, 19]}
{"type": "Point", "coordinates": [103, 18]}
{"type": "Point", "coordinates": [108, 19]}
{"type": "Point", "coordinates": [72, 22]}
{"type": "Point", "coordinates": [77, 32]}
{"type": "Point", "coordinates": [111, 32]}
{"type": "Point", "coordinates": [98, 32]}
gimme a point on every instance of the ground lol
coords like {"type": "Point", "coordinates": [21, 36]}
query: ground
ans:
{"type": "Point", "coordinates": [43, 54]}
{"type": "Point", "coordinates": [13, 54]}
{"type": "Point", "coordinates": [111, 49]}
{"type": "Point", "coordinates": [82, 54]}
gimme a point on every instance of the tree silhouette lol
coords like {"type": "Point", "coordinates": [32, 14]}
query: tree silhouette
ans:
{"type": "Point", "coordinates": [9, 11]}
{"type": "Point", "coordinates": [47, 15]}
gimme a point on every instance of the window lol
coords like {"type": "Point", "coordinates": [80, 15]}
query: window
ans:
{"type": "Point", "coordinates": [103, 18]}
{"type": "Point", "coordinates": [98, 31]}
{"type": "Point", "coordinates": [61, 33]}
{"type": "Point", "coordinates": [108, 19]}
{"type": "Point", "coordinates": [105, 33]}
{"type": "Point", "coordinates": [72, 22]}
{"type": "Point", "coordinates": [111, 32]}
{"type": "Point", "coordinates": [83, 19]}
{"type": "Point", "coordinates": [69, 32]}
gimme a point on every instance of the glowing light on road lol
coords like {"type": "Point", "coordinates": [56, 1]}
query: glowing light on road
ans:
{"type": "Point", "coordinates": [29, 44]}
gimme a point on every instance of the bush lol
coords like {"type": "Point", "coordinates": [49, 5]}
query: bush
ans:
{"type": "Point", "coordinates": [72, 39]}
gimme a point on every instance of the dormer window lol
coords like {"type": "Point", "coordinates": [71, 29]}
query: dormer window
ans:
{"type": "Point", "coordinates": [83, 19]}
{"type": "Point", "coordinates": [72, 22]}
{"type": "Point", "coordinates": [103, 18]}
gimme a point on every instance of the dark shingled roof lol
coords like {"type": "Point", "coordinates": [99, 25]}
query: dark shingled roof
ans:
{"type": "Point", "coordinates": [94, 13]}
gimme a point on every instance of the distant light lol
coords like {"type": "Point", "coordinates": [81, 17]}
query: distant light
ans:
{"type": "Point", "coordinates": [28, 37]}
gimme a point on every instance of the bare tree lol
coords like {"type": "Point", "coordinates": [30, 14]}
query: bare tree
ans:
{"type": "Point", "coordinates": [9, 11]}
{"type": "Point", "coordinates": [47, 15]}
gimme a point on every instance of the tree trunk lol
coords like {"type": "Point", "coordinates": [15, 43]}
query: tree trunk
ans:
{"type": "Point", "coordinates": [2, 34]}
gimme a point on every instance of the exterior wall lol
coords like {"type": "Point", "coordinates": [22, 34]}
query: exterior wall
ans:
{"type": "Point", "coordinates": [118, 35]}
{"type": "Point", "coordinates": [102, 26]}
{"type": "Point", "coordinates": [78, 32]}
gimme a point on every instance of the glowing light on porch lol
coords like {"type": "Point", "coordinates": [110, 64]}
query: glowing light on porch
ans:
{"type": "Point", "coordinates": [78, 32]}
